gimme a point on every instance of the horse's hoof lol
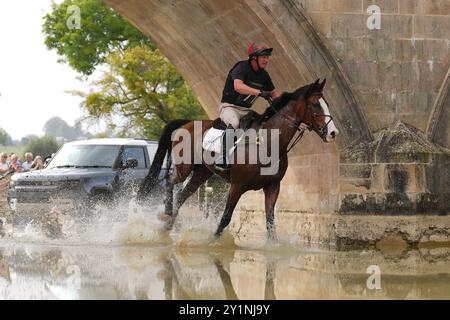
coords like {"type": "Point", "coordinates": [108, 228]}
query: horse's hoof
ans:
{"type": "Point", "coordinates": [168, 225]}
{"type": "Point", "coordinates": [272, 239]}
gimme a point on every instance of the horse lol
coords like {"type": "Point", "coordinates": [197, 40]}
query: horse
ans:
{"type": "Point", "coordinates": [305, 107]}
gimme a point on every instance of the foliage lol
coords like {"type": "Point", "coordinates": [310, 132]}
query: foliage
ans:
{"type": "Point", "coordinates": [43, 146]}
{"type": "Point", "coordinates": [18, 149]}
{"type": "Point", "coordinates": [101, 31]}
{"type": "Point", "coordinates": [142, 87]}
{"type": "Point", "coordinates": [140, 91]}
{"type": "Point", "coordinates": [5, 138]}
{"type": "Point", "coordinates": [57, 127]}
{"type": "Point", "coordinates": [24, 141]}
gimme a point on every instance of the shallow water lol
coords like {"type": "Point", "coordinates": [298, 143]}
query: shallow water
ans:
{"type": "Point", "coordinates": [130, 256]}
{"type": "Point", "coordinates": [171, 272]}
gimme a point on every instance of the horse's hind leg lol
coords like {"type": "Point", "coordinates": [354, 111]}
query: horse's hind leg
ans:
{"type": "Point", "coordinates": [233, 197]}
{"type": "Point", "coordinates": [271, 195]}
{"type": "Point", "coordinates": [198, 177]}
{"type": "Point", "coordinates": [179, 174]}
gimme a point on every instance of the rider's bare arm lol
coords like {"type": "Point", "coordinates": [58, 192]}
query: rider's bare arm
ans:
{"type": "Point", "coordinates": [274, 94]}
{"type": "Point", "coordinates": [242, 88]}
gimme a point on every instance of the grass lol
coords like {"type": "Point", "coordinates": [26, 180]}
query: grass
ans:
{"type": "Point", "coordinates": [19, 150]}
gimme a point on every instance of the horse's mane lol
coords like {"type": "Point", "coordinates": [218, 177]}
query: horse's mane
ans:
{"type": "Point", "coordinates": [280, 102]}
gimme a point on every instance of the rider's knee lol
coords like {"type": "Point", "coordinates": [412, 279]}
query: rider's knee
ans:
{"type": "Point", "coordinates": [234, 123]}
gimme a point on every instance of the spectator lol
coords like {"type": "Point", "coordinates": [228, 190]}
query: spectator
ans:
{"type": "Point", "coordinates": [38, 164]}
{"type": "Point", "coordinates": [4, 167]}
{"type": "Point", "coordinates": [14, 164]}
{"type": "Point", "coordinates": [26, 165]}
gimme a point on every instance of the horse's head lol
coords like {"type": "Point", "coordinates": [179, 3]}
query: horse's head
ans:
{"type": "Point", "coordinates": [316, 113]}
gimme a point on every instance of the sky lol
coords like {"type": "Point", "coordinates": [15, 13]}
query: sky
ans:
{"type": "Point", "coordinates": [32, 82]}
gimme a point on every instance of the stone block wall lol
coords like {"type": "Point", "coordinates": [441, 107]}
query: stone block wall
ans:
{"type": "Point", "coordinates": [396, 71]}
{"type": "Point", "coordinates": [400, 172]}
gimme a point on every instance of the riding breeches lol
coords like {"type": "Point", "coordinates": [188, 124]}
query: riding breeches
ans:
{"type": "Point", "coordinates": [231, 114]}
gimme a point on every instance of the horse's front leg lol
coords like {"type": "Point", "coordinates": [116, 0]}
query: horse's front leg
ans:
{"type": "Point", "coordinates": [233, 197]}
{"type": "Point", "coordinates": [271, 195]}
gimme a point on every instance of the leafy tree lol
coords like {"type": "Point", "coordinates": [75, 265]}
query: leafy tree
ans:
{"type": "Point", "coordinates": [101, 31]}
{"type": "Point", "coordinates": [57, 127]}
{"type": "Point", "coordinates": [43, 146]}
{"type": "Point", "coordinates": [5, 138]}
{"type": "Point", "coordinates": [140, 91]}
{"type": "Point", "coordinates": [25, 140]}
{"type": "Point", "coordinates": [143, 88]}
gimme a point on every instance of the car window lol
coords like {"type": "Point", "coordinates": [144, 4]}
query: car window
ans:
{"type": "Point", "coordinates": [85, 156]}
{"type": "Point", "coordinates": [152, 148]}
{"type": "Point", "coordinates": [152, 151]}
{"type": "Point", "coordinates": [134, 153]}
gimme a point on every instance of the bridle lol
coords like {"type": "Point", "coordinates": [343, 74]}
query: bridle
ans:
{"type": "Point", "coordinates": [321, 131]}
{"type": "Point", "coordinates": [300, 130]}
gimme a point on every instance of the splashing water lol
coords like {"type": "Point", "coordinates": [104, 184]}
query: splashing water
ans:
{"type": "Point", "coordinates": [129, 223]}
{"type": "Point", "coordinates": [126, 223]}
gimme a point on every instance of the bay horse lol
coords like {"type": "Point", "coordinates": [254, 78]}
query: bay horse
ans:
{"type": "Point", "coordinates": [305, 106]}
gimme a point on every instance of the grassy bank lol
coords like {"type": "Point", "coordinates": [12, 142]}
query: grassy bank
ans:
{"type": "Point", "coordinates": [19, 150]}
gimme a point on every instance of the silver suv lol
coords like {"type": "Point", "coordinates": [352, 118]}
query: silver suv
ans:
{"type": "Point", "coordinates": [82, 173]}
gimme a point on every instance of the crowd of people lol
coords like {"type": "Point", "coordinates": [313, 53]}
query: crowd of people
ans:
{"type": "Point", "coordinates": [12, 164]}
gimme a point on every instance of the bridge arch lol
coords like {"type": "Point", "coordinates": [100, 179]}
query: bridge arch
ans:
{"type": "Point", "coordinates": [204, 39]}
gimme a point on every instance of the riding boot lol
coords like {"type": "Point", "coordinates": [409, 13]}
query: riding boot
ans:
{"type": "Point", "coordinates": [228, 135]}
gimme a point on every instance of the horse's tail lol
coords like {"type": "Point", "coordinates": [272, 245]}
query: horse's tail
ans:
{"type": "Point", "coordinates": [164, 148]}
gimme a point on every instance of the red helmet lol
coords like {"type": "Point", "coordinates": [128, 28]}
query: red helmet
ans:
{"type": "Point", "coordinates": [259, 49]}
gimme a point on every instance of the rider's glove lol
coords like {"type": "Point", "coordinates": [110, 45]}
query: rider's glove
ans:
{"type": "Point", "coordinates": [266, 95]}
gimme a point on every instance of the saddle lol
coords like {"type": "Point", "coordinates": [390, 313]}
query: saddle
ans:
{"type": "Point", "coordinates": [212, 140]}
{"type": "Point", "coordinates": [245, 123]}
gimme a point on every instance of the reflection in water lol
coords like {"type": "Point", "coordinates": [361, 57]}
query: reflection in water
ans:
{"type": "Point", "coordinates": [173, 272]}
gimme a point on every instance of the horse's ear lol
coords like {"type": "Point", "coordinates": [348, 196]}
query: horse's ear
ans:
{"type": "Point", "coordinates": [322, 85]}
{"type": "Point", "coordinates": [312, 88]}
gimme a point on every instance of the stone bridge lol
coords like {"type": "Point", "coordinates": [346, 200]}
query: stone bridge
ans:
{"type": "Point", "coordinates": [389, 94]}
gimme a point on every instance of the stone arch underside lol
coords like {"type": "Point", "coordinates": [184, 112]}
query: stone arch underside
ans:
{"type": "Point", "coordinates": [204, 38]}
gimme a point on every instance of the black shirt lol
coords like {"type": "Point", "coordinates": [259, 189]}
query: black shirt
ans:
{"type": "Point", "coordinates": [257, 80]}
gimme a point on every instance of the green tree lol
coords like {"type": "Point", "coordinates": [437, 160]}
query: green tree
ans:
{"type": "Point", "coordinates": [140, 91]}
{"type": "Point", "coordinates": [57, 127]}
{"type": "Point", "coordinates": [43, 146]}
{"type": "Point", "coordinates": [141, 87]}
{"type": "Point", "coordinates": [101, 31]}
{"type": "Point", "coordinates": [25, 140]}
{"type": "Point", "coordinates": [5, 138]}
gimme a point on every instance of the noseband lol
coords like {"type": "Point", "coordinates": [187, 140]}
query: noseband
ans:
{"type": "Point", "coordinates": [321, 131]}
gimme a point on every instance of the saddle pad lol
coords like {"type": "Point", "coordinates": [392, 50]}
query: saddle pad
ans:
{"type": "Point", "coordinates": [212, 140]}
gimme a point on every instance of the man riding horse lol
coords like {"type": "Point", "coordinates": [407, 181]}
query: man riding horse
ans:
{"type": "Point", "coordinates": [285, 119]}
{"type": "Point", "coordinates": [246, 81]}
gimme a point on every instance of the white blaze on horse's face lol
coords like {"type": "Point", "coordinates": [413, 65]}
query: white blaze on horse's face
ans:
{"type": "Point", "coordinates": [332, 131]}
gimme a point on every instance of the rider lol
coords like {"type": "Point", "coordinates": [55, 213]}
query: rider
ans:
{"type": "Point", "coordinates": [246, 81]}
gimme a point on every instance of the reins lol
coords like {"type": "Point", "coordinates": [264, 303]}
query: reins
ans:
{"type": "Point", "coordinates": [300, 130]}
